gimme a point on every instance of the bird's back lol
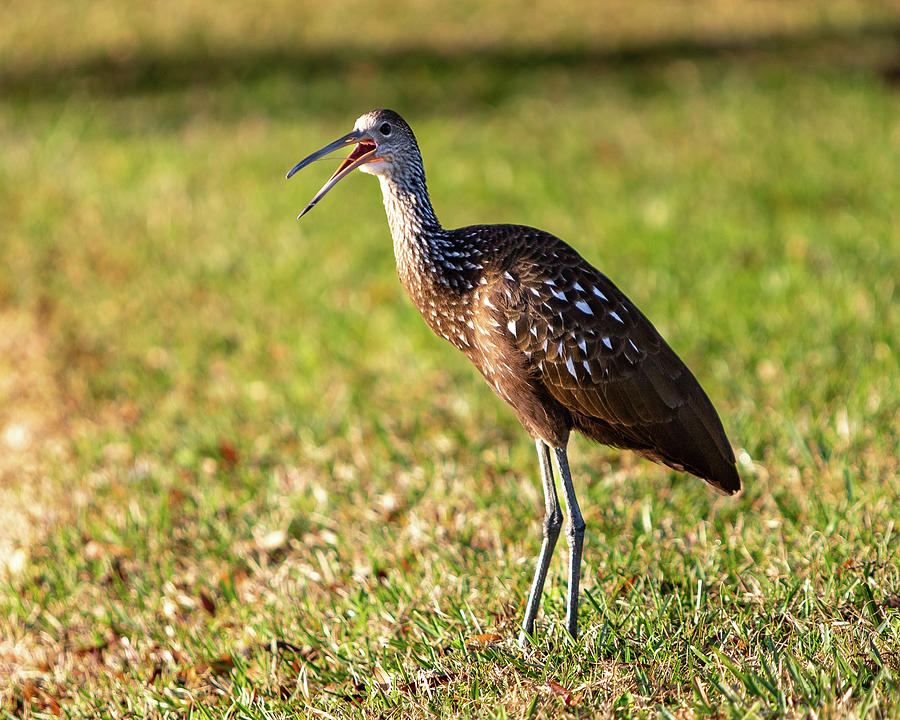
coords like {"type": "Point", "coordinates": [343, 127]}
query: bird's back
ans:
{"type": "Point", "coordinates": [568, 350]}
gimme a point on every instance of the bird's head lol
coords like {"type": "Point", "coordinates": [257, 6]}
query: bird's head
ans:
{"type": "Point", "coordinates": [383, 143]}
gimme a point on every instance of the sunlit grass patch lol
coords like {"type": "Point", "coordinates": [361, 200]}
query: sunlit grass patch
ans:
{"type": "Point", "coordinates": [240, 478]}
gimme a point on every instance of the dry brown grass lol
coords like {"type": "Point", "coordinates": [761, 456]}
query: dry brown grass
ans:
{"type": "Point", "coordinates": [34, 440]}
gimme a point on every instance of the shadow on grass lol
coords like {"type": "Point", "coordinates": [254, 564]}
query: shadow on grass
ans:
{"type": "Point", "coordinates": [874, 48]}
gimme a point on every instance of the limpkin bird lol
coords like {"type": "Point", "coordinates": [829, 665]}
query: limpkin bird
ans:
{"type": "Point", "coordinates": [552, 336]}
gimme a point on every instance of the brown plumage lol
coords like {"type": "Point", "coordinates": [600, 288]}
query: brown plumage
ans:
{"type": "Point", "coordinates": [551, 335]}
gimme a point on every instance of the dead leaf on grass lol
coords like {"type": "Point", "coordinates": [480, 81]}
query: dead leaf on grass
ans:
{"type": "Point", "coordinates": [382, 677]}
{"type": "Point", "coordinates": [484, 640]}
{"type": "Point", "coordinates": [626, 585]}
{"type": "Point", "coordinates": [176, 498]}
{"type": "Point", "coordinates": [208, 603]}
{"type": "Point", "coordinates": [219, 666]}
{"type": "Point", "coordinates": [562, 693]}
{"type": "Point", "coordinates": [228, 452]}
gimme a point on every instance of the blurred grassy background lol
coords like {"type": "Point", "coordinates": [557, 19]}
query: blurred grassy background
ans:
{"type": "Point", "coordinates": [224, 433]}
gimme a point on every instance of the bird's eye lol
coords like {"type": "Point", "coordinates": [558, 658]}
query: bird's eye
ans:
{"type": "Point", "coordinates": [385, 129]}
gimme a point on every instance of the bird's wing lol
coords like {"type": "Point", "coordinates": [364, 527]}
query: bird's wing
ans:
{"type": "Point", "coordinates": [601, 358]}
{"type": "Point", "coordinates": [591, 347]}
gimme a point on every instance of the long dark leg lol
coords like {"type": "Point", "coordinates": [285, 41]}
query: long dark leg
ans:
{"type": "Point", "coordinates": [552, 525]}
{"type": "Point", "coordinates": [575, 536]}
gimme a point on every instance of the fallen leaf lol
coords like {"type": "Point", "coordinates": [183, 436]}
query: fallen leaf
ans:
{"type": "Point", "coordinates": [485, 639]}
{"type": "Point", "coordinates": [218, 666]}
{"type": "Point", "coordinates": [176, 497]}
{"type": "Point", "coordinates": [627, 584]}
{"type": "Point", "coordinates": [382, 677]}
{"type": "Point", "coordinates": [558, 690]}
{"type": "Point", "coordinates": [208, 603]}
{"type": "Point", "coordinates": [228, 452]}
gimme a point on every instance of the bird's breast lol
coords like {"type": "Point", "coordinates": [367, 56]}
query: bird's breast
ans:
{"type": "Point", "coordinates": [447, 312]}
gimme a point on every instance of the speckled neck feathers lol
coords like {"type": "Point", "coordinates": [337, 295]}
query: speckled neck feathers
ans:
{"type": "Point", "coordinates": [423, 249]}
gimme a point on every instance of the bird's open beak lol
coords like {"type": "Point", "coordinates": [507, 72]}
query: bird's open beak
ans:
{"type": "Point", "coordinates": [363, 153]}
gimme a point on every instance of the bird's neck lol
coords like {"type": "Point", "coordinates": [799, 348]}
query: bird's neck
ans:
{"type": "Point", "coordinates": [408, 207]}
{"type": "Point", "coordinates": [420, 243]}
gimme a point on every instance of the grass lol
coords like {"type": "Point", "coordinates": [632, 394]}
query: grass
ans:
{"type": "Point", "coordinates": [240, 478]}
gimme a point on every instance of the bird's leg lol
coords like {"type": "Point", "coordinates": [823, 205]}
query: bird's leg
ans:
{"type": "Point", "coordinates": [552, 525]}
{"type": "Point", "coordinates": [575, 536]}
